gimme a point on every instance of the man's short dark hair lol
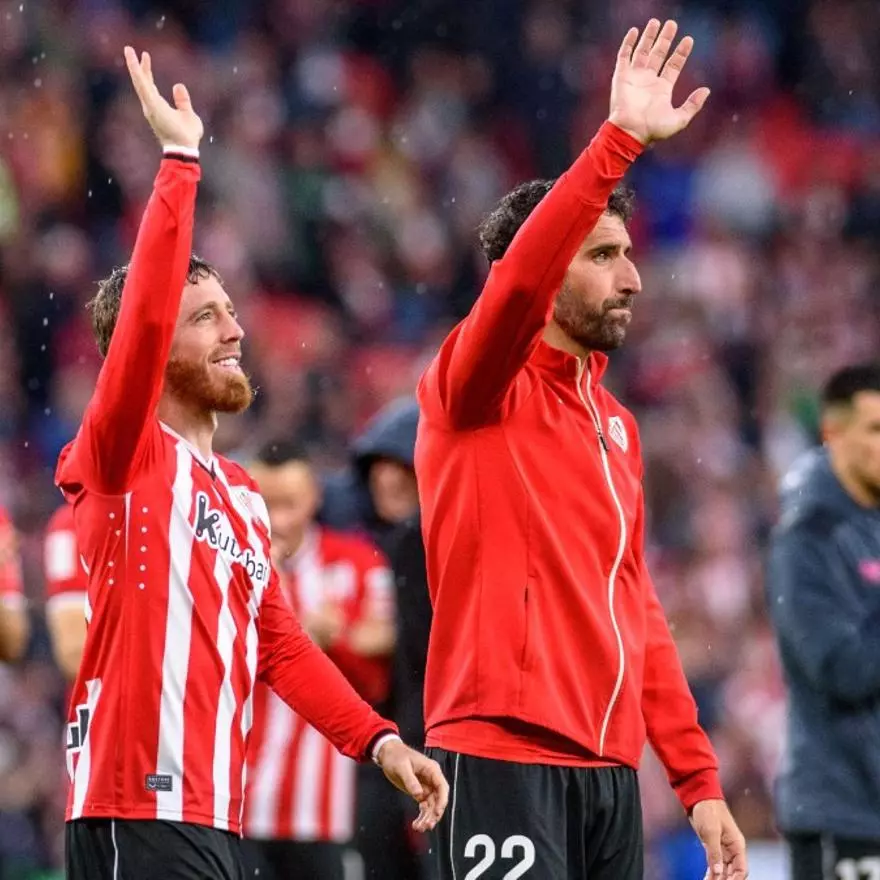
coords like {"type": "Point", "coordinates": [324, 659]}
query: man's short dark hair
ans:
{"type": "Point", "coordinates": [277, 453]}
{"type": "Point", "coordinates": [846, 383]}
{"type": "Point", "coordinates": [498, 228]}
{"type": "Point", "coordinates": [105, 304]}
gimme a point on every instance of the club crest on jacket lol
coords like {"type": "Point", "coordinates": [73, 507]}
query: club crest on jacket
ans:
{"type": "Point", "coordinates": [617, 432]}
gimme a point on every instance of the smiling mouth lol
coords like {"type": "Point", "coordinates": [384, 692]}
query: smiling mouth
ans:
{"type": "Point", "coordinates": [233, 363]}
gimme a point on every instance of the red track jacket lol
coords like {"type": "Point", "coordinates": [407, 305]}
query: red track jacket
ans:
{"type": "Point", "coordinates": [533, 518]}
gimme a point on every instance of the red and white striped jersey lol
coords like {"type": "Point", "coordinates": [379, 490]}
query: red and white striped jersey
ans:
{"type": "Point", "coordinates": [63, 572]}
{"type": "Point", "coordinates": [11, 587]}
{"type": "Point", "coordinates": [184, 608]}
{"type": "Point", "coordinates": [299, 786]}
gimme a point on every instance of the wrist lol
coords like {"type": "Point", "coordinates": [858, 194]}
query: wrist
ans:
{"type": "Point", "coordinates": [643, 139]}
{"type": "Point", "coordinates": [381, 741]}
{"type": "Point", "coordinates": [187, 152]}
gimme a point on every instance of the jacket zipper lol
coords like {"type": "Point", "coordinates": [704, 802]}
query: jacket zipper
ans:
{"type": "Point", "coordinates": [590, 406]}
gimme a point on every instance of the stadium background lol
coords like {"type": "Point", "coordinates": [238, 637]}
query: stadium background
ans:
{"type": "Point", "coordinates": [352, 148]}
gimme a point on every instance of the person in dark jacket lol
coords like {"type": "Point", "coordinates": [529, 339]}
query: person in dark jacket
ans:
{"type": "Point", "coordinates": [378, 492]}
{"type": "Point", "coordinates": [823, 590]}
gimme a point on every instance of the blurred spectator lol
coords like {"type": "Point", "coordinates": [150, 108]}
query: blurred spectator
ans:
{"type": "Point", "coordinates": [300, 802]}
{"type": "Point", "coordinates": [822, 577]}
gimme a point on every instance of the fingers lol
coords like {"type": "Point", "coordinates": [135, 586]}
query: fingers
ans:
{"type": "Point", "coordinates": [136, 73]}
{"type": "Point", "coordinates": [436, 795]}
{"type": "Point", "coordinates": [711, 838]}
{"type": "Point", "coordinates": [181, 97]}
{"type": "Point", "coordinates": [624, 54]}
{"type": "Point", "coordinates": [141, 73]}
{"type": "Point", "coordinates": [737, 861]}
{"type": "Point", "coordinates": [410, 782]}
{"type": "Point", "coordinates": [645, 44]}
{"type": "Point", "coordinates": [675, 63]}
{"type": "Point", "coordinates": [694, 104]}
{"type": "Point", "coordinates": [662, 45]}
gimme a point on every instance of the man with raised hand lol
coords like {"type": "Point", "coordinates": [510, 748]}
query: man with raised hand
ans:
{"type": "Point", "coordinates": [184, 608]}
{"type": "Point", "coordinates": [550, 659]}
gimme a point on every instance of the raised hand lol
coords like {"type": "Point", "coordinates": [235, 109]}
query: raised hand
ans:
{"type": "Point", "coordinates": [173, 126]}
{"type": "Point", "coordinates": [641, 89]}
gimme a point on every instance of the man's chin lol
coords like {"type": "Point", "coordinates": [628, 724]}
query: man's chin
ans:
{"type": "Point", "coordinates": [236, 396]}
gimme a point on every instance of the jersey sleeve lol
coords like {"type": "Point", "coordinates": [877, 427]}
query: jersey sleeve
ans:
{"type": "Point", "coordinates": [11, 584]}
{"type": "Point", "coordinates": [308, 681]}
{"type": "Point", "coordinates": [468, 381]}
{"type": "Point", "coordinates": [65, 578]}
{"type": "Point", "coordinates": [668, 706]}
{"type": "Point", "coordinates": [117, 422]}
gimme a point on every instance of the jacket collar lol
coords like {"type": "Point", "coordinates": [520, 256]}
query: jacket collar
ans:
{"type": "Point", "coordinates": [567, 365]}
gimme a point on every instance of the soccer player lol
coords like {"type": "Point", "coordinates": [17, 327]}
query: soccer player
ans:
{"type": "Point", "coordinates": [14, 628]}
{"type": "Point", "coordinates": [185, 607]}
{"type": "Point", "coordinates": [550, 657]}
{"type": "Point", "coordinates": [822, 583]}
{"type": "Point", "coordinates": [66, 591]}
{"type": "Point", "coordinates": [300, 796]}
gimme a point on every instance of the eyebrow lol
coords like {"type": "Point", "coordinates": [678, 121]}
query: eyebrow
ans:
{"type": "Point", "coordinates": [213, 306]}
{"type": "Point", "coordinates": [626, 247]}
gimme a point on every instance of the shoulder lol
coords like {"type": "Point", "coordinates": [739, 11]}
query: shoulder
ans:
{"type": "Point", "coordinates": [810, 499]}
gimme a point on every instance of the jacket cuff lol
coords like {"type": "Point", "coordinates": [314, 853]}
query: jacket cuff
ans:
{"type": "Point", "coordinates": [704, 785]}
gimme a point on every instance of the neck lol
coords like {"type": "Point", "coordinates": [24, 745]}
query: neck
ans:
{"type": "Point", "coordinates": [196, 426]}
{"type": "Point", "coordinates": [556, 337]}
{"type": "Point", "coordinates": [860, 491]}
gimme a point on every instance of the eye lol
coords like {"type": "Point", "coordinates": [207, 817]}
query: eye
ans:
{"type": "Point", "coordinates": [204, 316]}
{"type": "Point", "coordinates": [602, 256]}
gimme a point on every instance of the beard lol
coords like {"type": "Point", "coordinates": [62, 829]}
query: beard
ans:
{"type": "Point", "coordinates": [594, 328]}
{"type": "Point", "coordinates": [195, 384]}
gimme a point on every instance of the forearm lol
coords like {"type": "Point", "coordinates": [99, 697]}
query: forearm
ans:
{"type": "Point", "coordinates": [130, 382]}
{"type": "Point", "coordinates": [308, 681]}
{"type": "Point", "coordinates": [483, 355]}
{"type": "Point", "coordinates": [670, 714]}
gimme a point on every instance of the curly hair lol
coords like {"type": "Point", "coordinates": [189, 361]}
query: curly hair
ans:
{"type": "Point", "coordinates": [105, 304]}
{"type": "Point", "coordinates": [498, 228]}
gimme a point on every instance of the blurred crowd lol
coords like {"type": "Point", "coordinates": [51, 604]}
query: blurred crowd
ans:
{"type": "Point", "coordinates": [352, 148]}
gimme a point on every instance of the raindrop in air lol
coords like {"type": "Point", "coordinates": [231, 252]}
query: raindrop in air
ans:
{"type": "Point", "coordinates": [45, 322]}
{"type": "Point", "coordinates": [160, 23]}
{"type": "Point", "coordinates": [38, 83]}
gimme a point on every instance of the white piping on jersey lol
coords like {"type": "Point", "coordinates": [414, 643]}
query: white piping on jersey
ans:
{"type": "Point", "coordinates": [178, 632]}
{"type": "Point", "coordinates": [621, 544]}
{"type": "Point", "coordinates": [210, 464]}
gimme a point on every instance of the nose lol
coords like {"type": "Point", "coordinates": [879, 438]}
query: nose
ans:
{"type": "Point", "coordinates": [630, 281]}
{"type": "Point", "coordinates": [232, 330]}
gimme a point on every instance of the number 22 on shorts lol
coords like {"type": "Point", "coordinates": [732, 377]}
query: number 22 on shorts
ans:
{"type": "Point", "coordinates": [516, 846]}
{"type": "Point", "coordinates": [858, 869]}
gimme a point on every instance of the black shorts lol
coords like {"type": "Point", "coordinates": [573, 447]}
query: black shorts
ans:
{"type": "Point", "coordinates": [536, 820]}
{"type": "Point", "coordinates": [294, 860]}
{"type": "Point", "coordinates": [826, 857]}
{"type": "Point", "coordinates": [128, 849]}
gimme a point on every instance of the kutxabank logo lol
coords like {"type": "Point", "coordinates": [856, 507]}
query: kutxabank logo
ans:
{"type": "Point", "coordinates": [213, 527]}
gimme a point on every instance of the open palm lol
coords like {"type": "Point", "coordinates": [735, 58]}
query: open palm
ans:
{"type": "Point", "coordinates": [644, 76]}
{"type": "Point", "coordinates": [178, 125]}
